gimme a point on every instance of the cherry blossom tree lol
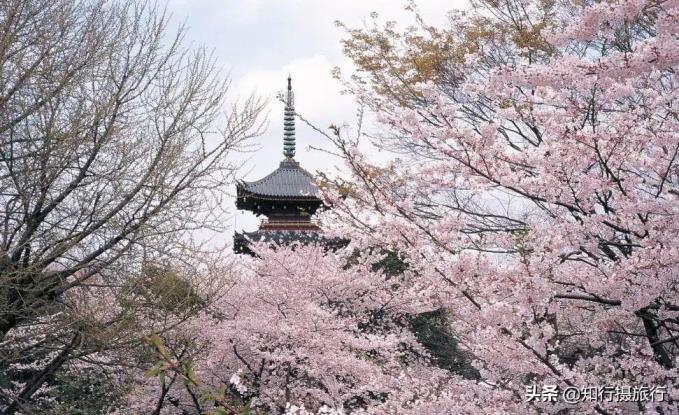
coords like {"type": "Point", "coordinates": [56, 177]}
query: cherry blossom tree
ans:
{"type": "Point", "coordinates": [535, 193]}
{"type": "Point", "coordinates": [532, 197]}
{"type": "Point", "coordinates": [302, 326]}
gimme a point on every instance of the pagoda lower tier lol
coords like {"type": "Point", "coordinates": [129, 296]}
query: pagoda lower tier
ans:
{"type": "Point", "coordinates": [288, 198]}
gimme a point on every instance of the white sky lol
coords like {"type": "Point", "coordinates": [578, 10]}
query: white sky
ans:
{"type": "Point", "coordinates": [261, 41]}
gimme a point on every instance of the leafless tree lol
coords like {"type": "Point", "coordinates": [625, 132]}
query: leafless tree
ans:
{"type": "Point", "coordinates": [113, 145]}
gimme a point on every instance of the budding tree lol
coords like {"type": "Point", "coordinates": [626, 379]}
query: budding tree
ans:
{"type": "Point", "coordinates": [114, 139]}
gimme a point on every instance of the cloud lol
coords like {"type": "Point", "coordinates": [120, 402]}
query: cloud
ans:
{"type": "Point", "coordinates": [317, 93]}
{"type": "Point", "coordinates": [315, 12]}
{"type": "Point", "coordinates": [262, 41]}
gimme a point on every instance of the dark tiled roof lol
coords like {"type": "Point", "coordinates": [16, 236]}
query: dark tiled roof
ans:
{"type": "Point", "coordinates": [288, 180]}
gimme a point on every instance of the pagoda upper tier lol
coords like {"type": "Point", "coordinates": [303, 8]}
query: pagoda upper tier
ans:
{"type": "Point", "coordinates": [288, 197]}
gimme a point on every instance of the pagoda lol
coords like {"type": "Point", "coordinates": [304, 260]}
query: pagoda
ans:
{"type": "Point", "coordinates": [287, 197]}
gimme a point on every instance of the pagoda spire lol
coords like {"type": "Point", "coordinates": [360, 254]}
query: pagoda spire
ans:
{"type": "Point", "coordinates": [289, 123]}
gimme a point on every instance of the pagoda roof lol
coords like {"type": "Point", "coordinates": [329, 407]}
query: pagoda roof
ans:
{"type": "Point", "coordinates": [289, 180]}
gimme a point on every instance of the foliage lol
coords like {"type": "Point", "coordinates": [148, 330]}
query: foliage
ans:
{"type": "Point", "coordinates": [166, 290]}
{"type": "Point", "coordinates": [432, 330]}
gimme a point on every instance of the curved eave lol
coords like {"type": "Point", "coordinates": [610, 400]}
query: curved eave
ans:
{"type": "Point", "coordinates": [242, 192]}
{"type": "Point", "coordinates": [256, 202]}
{"type": "Point", "coordinates": [289, 180]}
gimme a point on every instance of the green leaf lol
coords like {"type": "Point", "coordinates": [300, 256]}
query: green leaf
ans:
{"type": "Point", "coordinates": [246, 410]}
{"type": "Point", "coordinates": [154, 371]}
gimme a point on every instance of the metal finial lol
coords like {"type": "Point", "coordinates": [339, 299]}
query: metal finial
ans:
{"type": "Point", "coordinates": [289, 122]}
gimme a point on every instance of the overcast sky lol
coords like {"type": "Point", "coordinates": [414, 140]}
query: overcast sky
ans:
{"type": "Point", "coordinates": [262, 41]}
